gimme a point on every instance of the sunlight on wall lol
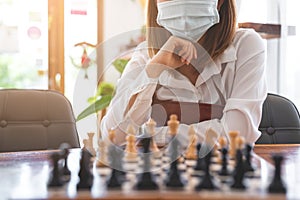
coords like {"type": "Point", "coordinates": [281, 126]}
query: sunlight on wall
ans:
{"type": "Point", "coordinates": [123, 19]}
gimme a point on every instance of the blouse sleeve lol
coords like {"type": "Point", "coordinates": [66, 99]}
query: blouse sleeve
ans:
{"type": "Point", "coordinates": [243, 109]}
{"type": "Point", "coordinates": [134, 80]}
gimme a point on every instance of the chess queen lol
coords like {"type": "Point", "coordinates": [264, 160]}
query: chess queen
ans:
{"type": "Point", "coordinates": [194, 63]}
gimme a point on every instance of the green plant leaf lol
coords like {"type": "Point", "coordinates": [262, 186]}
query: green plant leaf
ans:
{"type": "Point", "coordinates": [105, 89]}
{"type": "Point", "coordinates": [120, 64]}
{"type": "Point", "coordinates": [100, 104]}
{"type": "Point", "coordinates": [92, 99]}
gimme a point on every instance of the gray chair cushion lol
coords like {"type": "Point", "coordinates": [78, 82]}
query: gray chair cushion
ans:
{"type": "Point", "coordinates": [280, 122]}
{"type": "Point", "coordinates": [35, 120]}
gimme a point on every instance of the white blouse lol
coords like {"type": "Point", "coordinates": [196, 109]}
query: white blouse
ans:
{"type": "Point", "coordinates": [236, 80]}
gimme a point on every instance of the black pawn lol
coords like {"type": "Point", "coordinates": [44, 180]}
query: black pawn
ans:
{"type": "Point", "coordinates": [85, 174]}
{"type": "Point", "coordinates": [114, 180]}
{"type": "Point", "coordinates": [116, 177]}
{"type": "Point", "coordinates": [200, 164]}
{"type": "Point", "coordinates": [56, 174]}
{"type": "Point", "coordinates": [174, 177]}
{"type": "Point", "coordinates": [277, 185]}
{"type": "Point", "coordinates": [248, 154]}
{"type": "Point", "coordinates": [64, 154]}
{"type": "Point", "coordinates": [207, 182]}
{"type": "Point", "coordinates": [146, 180]}
{"type": "Point", "coordinates": [239, 172]}
{"type": "Point", "coordinates": [224, 170]}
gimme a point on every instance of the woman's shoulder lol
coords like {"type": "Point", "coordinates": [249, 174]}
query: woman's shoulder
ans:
{"type": "Point", "coordinates": [140, 52]}
{"type": "Point", "coordinates": [138, 58]}
{"type": "Point", "coordinates": [248, 40]}
{"type": "Point", "coordinates": [245, 33]}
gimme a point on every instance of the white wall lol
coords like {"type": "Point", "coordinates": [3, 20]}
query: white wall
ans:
{"type": "Point", "coordinates": [283, 67]}
{"type": "Point", "coordinates": [123, 21]}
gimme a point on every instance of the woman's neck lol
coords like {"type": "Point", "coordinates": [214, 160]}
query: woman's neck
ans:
{"type": "Point", "coordinates": [190, 72]}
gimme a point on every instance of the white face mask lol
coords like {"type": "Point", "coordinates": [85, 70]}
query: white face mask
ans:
{"type": "Point", "coordinates": [188, 19]}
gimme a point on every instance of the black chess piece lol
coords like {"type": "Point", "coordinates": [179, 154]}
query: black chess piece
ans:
{"type": "Point", "coordinates": [206, 182]}
{"type": "Point", "coordinates": [114, 180]}
{"type": "Point", "coordinates": [174, 179]}
{"type": "Point", "coordinates": [248, 154]}
{"type": "Point", "coordinates": [116, 177]}
{"type": "Point", "coordinates": [56, 173]}
{"type": "Point", "coordinates": [85, 175]}
{"type": "Point", "coordinates": [239, 172]}
{"type": "Point", "coordinates": [277, 185]}
{"type": "Point", "coordinates": [200, 164]}
{"type": "Point", "coordinates": [65, 150]}
{"type": "Point", "coordinates": [146, 179]}
{"type": "Point", "coordinates": [224, 170]}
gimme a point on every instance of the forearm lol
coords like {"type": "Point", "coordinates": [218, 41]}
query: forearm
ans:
{"type": "Point", "coordinates": [128, 108]}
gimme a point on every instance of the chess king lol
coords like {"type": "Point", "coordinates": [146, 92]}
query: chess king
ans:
{"type": "Point", "coordinates": [197, 64]}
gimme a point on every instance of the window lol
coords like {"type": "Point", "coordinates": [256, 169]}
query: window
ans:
{"type": "Point", "coordinates": [23, 44]}
{"type": "Point", "coordinates": [282, 64]}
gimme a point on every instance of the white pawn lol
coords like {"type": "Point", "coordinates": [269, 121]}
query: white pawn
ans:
{"type": "Point", "coordinates": [222, 145]}
{"type": "Point", "coordinates": [173, 125]}
{"type": "Point", "coordinates": [239, 142]}
{"type": "Point", "coordinates": [102, 160]}
{"type": "Point", "coordinates": [232, 148]}
{"type": "Point", "coordinates": [90, 143]}
{"type": "Point", "coordinates": [131, 150]}
{"type": "Point", "coordinates": [191, 152]}
{"type": "Point", "coordinates": [150, 125]}
{"type": "Point", "coordinates": [85, 144]}
{"type": "Point", "coordinates": [211, 139]}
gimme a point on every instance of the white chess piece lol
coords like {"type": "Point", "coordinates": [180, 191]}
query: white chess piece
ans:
{"type": "Point", "coordinates": [90, 143]}
{"type": "Point", "coordinates": [211, 139]}
{"type": "Point", "coordinates": [131, 150]}
{"type": "Point", "coordinates": [191, 152]}
{"type": "Point", "coordinates": [150, 125]}
{"type": "Point", "coordinates": [102, 154]}
{"type": "Point", "coordinates": [232, 148]}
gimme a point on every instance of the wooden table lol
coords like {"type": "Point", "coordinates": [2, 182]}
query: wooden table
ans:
{"type": "Point", "coordinates": [25, 174]}
{"type": "Point", "coordinates": [290, 151]}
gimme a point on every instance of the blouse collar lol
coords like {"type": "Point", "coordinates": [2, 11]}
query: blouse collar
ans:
{"type": "Point", "coordinates": [214, 68]}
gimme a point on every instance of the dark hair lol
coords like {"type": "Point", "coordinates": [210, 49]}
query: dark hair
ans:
{"type": "Point", "coordinates": [214, 41]}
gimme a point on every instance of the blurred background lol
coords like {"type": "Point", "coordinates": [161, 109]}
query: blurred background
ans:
{"type": "Point", "coordinates": [71, 45]}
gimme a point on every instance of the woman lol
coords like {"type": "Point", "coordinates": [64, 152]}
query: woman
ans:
{"type": "Point", "coordinates": [194, 53]}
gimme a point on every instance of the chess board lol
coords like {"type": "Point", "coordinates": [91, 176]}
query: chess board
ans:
{"type": "Point", "coordinates": [256, 182]}
{"type": "Point", "coordinates": [141, 168]}
{"type": "Point", "coordinates": [25, 175]}
{"type": "Point", "coordinates": [189, 175]}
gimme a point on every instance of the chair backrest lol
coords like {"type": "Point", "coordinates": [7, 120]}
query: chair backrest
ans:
{"type": "Point", "coordinates": [35, 120]}
{"type": "Point", "coordinates": [280, 122]}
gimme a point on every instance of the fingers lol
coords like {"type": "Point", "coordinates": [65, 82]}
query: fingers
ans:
{"type": "Point", "coordinates": [177, 47]}
{"type": "Point", "coordinates": [187, 51]}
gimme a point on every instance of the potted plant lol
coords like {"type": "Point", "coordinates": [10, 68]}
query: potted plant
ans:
{"type": "Point", "coordinates": [105, 90]}
{"type": "Point", "coordinates": [104, 94]}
